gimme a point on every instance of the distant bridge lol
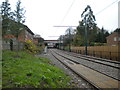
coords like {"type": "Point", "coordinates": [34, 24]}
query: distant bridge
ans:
{"type": "Point", "coordinates": [53, 43]}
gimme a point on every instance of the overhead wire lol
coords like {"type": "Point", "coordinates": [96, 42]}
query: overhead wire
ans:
{"type": "Point", "coordinates": [67, 12]}
{"type": "Point", "coordinates": [106, 7]}
{"type": "Point", "coordinates": [95, 14]}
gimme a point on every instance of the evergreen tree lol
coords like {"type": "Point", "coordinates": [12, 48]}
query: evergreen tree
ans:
{"type": "Point", "coordinates": [88, 17]}
{"type": "Point", "coordinates": [106, 34]}
{"type": "Point", "coordinates": [19, 18]}
{"type": "Point", "coordinates": [88, 22]}
{"type": "Point", "coordinates": [101, 36]}
{"type": "Point", "coordinates": [5, 10]}
{"type": "Point", "coordinates": [12, 21]}
{"type": "Point", "coordinates": [117, 30]}
{"type": "Point", "coordinates": [81, 29]}
{"type": "Point", "coordinates": [6, 14]}
{"type": "Point", "coordinates": [19, 13]}
{"type": "Point", "coordinates": [79, 37]}
{"type": "Point", "coordinates": [92, 34]}
{"type": "Point", "coordinates": [90, 25]}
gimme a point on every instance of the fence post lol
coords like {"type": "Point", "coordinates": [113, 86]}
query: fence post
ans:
{"type": "Point", "coordinates": [100, 54]}
{"type": "Point", "coordinates": [110, 55]}
{"type": "Point", "coordinates": [84, 52]}
{"type": "Point", "coordinates": [94, 53]}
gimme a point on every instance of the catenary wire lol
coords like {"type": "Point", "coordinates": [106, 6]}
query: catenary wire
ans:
{"type": "Point", "coordinates": [106, 7]}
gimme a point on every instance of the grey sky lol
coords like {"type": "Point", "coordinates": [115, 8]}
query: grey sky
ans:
{"type": "Point", "coordinates": [42, 15]}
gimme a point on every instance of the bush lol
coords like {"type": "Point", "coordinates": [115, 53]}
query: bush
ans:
{"type": "Point", "coordinates": [31, 47]}
{"type": "Point", "coordinates": [99, 44]}
{"type": "Point", "coordinates": [92, 44]}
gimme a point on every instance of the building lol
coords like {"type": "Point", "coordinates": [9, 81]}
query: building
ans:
{"type": "Point", "coordinates": [38, 40]}
{"type": "Point", "coordinates": [113, 39]}
{"type": "Point", "coordinates": [26, 34]}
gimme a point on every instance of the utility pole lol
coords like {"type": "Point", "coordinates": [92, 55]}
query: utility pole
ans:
{"type": "Point", "coordinates": [60, 42]}
{"type": "Point", "coordinates": [86, 40]}
{"type": "Point", "coordinates": [119, 16]}
{"type": "Point", "coordinates": [69, 40]}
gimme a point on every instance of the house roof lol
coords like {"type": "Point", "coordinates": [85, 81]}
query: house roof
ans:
{"type": "Point", "coordinates": [29, 30]}
{"type": "Point", "coordinates": [24, 26]}
{"type": "Point", "coordinates": [114, 33]}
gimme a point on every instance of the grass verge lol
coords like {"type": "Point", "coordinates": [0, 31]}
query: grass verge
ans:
{"type": "Point", "coordinates": [27, 71]}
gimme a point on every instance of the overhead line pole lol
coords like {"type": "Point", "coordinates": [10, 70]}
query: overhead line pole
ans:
{"type": "Point", "coordinates": [86, 36]}
{"type": "Point", "coordinates": [64, 26]}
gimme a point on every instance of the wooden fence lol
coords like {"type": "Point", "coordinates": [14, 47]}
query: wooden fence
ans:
{"type": "Point", "coordinates": [108, 52]}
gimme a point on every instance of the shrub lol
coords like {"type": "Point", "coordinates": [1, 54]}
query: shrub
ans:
{"type": "Point", "coordinates": [99, 44]}
{"type": "Point", "coordinates": [31, 47]}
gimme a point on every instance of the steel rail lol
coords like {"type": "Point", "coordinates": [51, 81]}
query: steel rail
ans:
{"type": "Point", "coordinates": [85, 65]}
{"type": "Point", "coordinates": [96, 87]}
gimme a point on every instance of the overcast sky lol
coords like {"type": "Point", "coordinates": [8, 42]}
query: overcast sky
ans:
{"type": "Point", "coordinates": [42, 15]}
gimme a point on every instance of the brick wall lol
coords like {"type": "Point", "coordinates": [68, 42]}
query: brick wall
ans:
{"type": "Point", "coordinates": [25, 35]}
{"type": "Point", "coordinates": [6, 45]}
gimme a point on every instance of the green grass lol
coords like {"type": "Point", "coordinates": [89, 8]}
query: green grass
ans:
{"type": "Point", "coordinates": [27, 71]}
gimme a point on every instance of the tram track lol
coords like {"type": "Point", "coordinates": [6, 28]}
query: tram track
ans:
{"type": "Point", "coordinates": [70, 62]}
{"type": "Point", "coordinates": [104, 68]}
{"type": "Point", "coordinates": [57, 53]}
{"type": "Point", "coordinates": [107, 62]}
